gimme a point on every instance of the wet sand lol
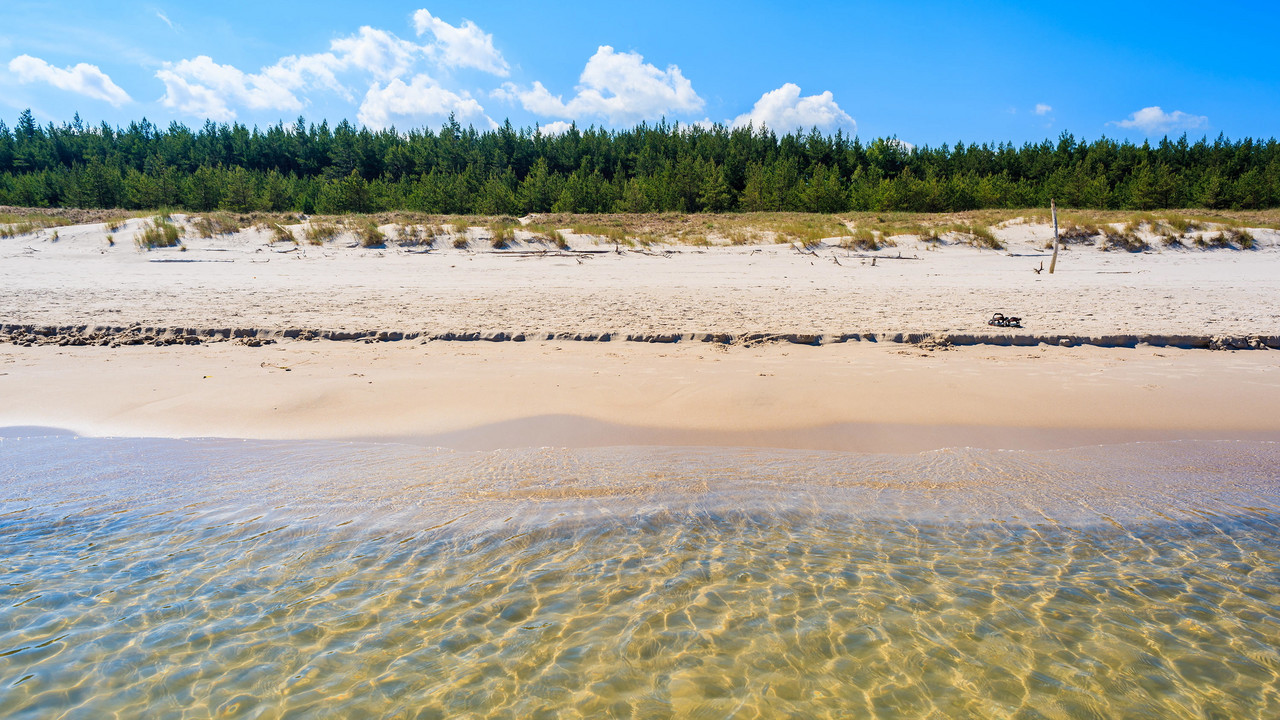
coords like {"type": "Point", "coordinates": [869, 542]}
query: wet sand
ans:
{"type": "Point", "coordinates": [852, 396]}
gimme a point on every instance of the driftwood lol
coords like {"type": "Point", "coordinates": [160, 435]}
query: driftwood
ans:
{"type": "Point", "coordinates": [864, 256]}
{"type": "Point", "coordinates": [543, 253]}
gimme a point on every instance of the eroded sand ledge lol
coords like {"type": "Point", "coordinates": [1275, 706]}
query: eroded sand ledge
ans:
{"type": "Point", "coordinates": [118, 336]}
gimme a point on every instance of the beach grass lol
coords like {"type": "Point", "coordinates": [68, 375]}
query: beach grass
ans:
{"type": "Point", "coordinates": [159, 232]}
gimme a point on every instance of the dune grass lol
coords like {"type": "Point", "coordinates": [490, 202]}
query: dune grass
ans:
{"type": "Point", "coordinates": [317, 233]}
{"type": "Point", "coordinates": [370, 236]}
{"type": "Point", "coordinates": [220, 223]}
{"type": "Point", "coordinates": [159, 232]}
{"type": "Point", "coordinates": [13, 224]}
{"type": "Point", "coordinates": [501, 235]}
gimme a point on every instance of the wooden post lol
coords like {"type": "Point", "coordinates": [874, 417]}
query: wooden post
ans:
{"type": "Point", "coordinates": [1053, 263]}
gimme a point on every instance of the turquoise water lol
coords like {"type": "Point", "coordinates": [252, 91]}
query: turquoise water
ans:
{"type": "Point", "coordinates": [193, 579]}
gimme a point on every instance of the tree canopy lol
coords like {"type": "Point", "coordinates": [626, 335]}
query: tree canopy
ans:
{"type": "Point", "coordinates": [646, 168]}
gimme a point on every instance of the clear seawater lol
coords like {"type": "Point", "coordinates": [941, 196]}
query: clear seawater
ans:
{"type": "Point", "coordinates": [230, 579]}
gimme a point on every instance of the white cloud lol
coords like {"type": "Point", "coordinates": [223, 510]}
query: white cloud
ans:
{"type": "Point", "coordinates": [784, 110]}
{"type": "Point", "coordinates": [376, 51]}
{"type": "Point", "coordinates": [464, 46]}
{"type": "Point", "coordinates": [83, 79]}
{"type": "Point", "coordinates": [298, 72]}
{"type": "Point", "coordinates": [618, 86]}
{"type": "Point", "coordinates": [1153, 120]}
{"type": "Point", "coordinates": [1042, 109]}
{"type": "Point", "coordinates": [166, 20]}
{"type": "Point", "coordinates": [420, 97]}
{"type": "Point", "coordinates": [559, 127]}
{"type": "Point", "coordinates": [200, 86]}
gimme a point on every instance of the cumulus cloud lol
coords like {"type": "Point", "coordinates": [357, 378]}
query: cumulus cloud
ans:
{"type": "Point", "coordinates": [620, 87]}
{"type": "Point", "coordinates": [1042, 109]}
{"type": "Point", "coordinates": [784, 110]}
{"type": "Point", "coordinates": [202, 87]}
{"type": "Point", "coordinates": [559, 127]}
{"type": "Point", "coordinates": [463, 46]}
{"type": "Point", "coordinates": [1153, 120]}
{"type": "Point", "coordinates": [83, 79]}
{"type": "Point", "coordinates": [420, 97]}
{"type": "Point", "coordinates": [377, 52]}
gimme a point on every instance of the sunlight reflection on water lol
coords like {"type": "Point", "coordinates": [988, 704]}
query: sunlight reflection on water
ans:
{"type": "Point", "coordinates": [149, 578]}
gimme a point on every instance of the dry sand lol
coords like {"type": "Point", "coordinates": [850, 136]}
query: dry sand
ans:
{"type": "Point", "coordinates": [855, 395]}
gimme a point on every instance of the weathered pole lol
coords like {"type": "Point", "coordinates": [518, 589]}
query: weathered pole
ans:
{"type": "Point", "coordinates": [1053, 263]}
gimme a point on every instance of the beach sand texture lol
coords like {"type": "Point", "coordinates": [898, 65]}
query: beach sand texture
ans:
{"type": "Point", "coordinates": [868, 393]}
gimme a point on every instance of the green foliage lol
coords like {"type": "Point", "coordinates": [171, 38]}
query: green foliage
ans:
{"type": "Point", "coordinates": [648, 168]}
{"type": "Point", "coordinates": [159, 232]}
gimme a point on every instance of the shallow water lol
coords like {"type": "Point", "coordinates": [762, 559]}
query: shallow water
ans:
{"type": "Point", "coordinates": [147, 578]}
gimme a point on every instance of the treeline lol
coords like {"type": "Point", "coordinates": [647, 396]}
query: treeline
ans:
{"type": "Point", "coordinates": [663, 167]}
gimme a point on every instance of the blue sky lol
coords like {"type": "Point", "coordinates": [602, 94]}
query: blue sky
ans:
{"type": "Point", "coordinates": [927, 72]}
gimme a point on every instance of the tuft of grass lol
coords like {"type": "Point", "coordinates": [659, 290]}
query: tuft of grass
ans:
{"type": "Point", "coordinates": [114, 224]}
{"type": "Point", "coordinates": [408, 235]}
{"type": "Point", "coordinates": [160, 232]}
{"type": "Point", "coordinates": [370, 236]}
{"type": "Point", "coordinates": [319, 233]}
{"type": "Point", "coordinates": [111, 240]}
{"type": "Point", "coordinates": [1125, 240]}
{"type": "Point", "coordinates": [1245, 238]}
{"type": "Point", "coordinates": [862, 239]}
{"type": "Point", "coordinates": [460, 242]}
{"type": "Point", "coordinates": [1082, 234]}
{"type": "Point", "coordinates": [207, 226]}
{"type": "Point", "coordinates": [979, 236]}
{"type": "Point", "coordinates": [501, 235]}
{"type": "Point", "coordinates": [280, 233]}
{"type": "Point", "coordinates": [1227, 238]}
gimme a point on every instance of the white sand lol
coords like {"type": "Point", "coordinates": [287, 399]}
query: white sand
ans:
{"type": "Point", "coordinates": [861, 396]}
{"type": "Point", "coordinates": [242, 281]}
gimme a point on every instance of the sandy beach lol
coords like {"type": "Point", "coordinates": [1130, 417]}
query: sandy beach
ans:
{"type": "Point", "coordinates": [760, 345]}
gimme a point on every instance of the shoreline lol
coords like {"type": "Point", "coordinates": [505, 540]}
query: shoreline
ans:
{"type": "Point", "coordinates": [866, 397]}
